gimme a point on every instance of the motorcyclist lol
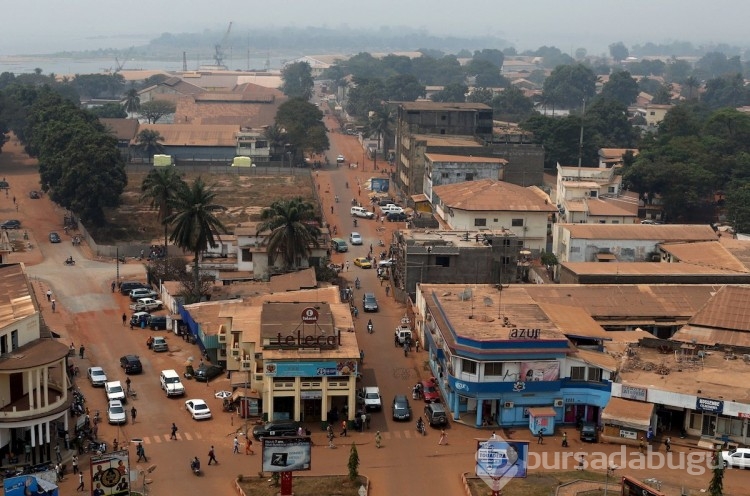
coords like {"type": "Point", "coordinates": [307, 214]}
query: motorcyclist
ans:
{"type": "Point", "coordinates": [195, 464]}
{"type": "Point", "coordinates": [369, 325]}
{"type": "Point", "coordinates": [70, 260]}
{"type": "Point", "coordinates": [355, 222]}
{"type": "Point", "coordinates": [356, 283]}
{"type": "Point", "coordinates": [420, 425]}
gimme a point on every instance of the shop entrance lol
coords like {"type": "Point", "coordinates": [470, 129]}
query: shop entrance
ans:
{"type": "Point", "coordinates": [283, 408]}
{"type": "Point", "coordinates": [312, 410]}
{"type": "Point", "coordinates": [577, 414]}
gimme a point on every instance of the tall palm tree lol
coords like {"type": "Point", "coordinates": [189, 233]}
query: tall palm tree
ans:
{"type": "Point", "coordinates": [161, 186]}
{"type": "Point", "coordinates": [276, 137]}
{"type": "Point", "coordinates": [132, 101]}
{"type": "Point", "coordinates": [293, 233]}
{"type": "Point", "coordinates": [149, 142]}
{"type": "Point", "coordinates": [195, 223]}
{"type": "Point", "coordinates": [381, 122]}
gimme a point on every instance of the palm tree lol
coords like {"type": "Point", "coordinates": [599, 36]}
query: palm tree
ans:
{"type": "Point", "coordinates": [132, 101]}
{"type": "Point", "coordinates": [276, 137]}
{"type": "Point", "coordinates": [292, 230]}
{"type": "Point", "coordinates": [381, 122]}
{"type": "Point", "coordinates": [161, 187]}
{"type": "Point", "coordinates": [195, 223]}
{"type": "Point", "coordinates": [149, 141]}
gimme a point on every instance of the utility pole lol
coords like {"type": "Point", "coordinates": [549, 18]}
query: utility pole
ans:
{"type": "Point", "coordinates": [580, 141]}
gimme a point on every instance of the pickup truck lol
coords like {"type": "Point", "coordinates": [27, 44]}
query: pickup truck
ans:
{"type": "Point", "coordinates": [391, 209]}
{"type": "Point", "coordinates": [146, 305]}
{"type": "Point", "coordinates": [370, 397]}
{"type": "Point", "coordinates": [361, 212]}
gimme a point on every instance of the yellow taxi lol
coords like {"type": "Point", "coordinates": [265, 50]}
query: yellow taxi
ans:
{"type": "Point", "coordinates": [362, 262]}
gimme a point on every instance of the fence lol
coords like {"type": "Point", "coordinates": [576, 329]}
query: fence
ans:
{"type": "Point", "coordinates": [222, 168]}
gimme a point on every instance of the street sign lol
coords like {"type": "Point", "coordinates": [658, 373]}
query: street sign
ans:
{"type": "Point", "coordinates": [309, 315]}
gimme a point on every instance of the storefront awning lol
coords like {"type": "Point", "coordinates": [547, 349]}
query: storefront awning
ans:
{"type": "Point", "coordinates": [241, 393]}
{"type": "Point", "coordinates": [542, 411]}
{"type": "Point", "coordinates": [628, 413]}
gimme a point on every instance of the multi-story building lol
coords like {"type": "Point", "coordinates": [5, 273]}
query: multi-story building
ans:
{"type": "Point", "coordinates": [34, 399]}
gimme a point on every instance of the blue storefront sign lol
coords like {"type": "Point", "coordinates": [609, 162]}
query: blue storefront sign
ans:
{"type": "Point", "coordinates": [709, 405]}
{"type": "Point", "coordinates": [310, 369]}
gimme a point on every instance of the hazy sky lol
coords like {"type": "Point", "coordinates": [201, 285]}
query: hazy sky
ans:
{"type": "Point", "coordinates": [44, 26]}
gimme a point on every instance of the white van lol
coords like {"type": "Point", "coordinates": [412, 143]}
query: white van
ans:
{"type": "Point", "coordinates": [114, 391]}
{"type": "Point", "coordinates": [362, 212]}
{"type": "Point", "coordinates": [170, 383]}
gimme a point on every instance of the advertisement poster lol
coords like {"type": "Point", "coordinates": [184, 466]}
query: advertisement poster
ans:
{"type": "Point", "coordinates": [540, 371]}
{"type": "Point", "coordinates": [380, 184]}
{"type": "Point", "coordinates": [286, 454]}
{"type": "Point", "coordinates": [28, 485]}
{"type": "Point", "coordinates": [500, 459]}
{"type": "Point", "coordinates": [110, 474]}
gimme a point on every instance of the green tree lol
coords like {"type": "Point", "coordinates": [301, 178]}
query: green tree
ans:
{"type": "Point", "coordinates": [293, 232]}
{"type": "Point", "coordinates": [728, 91]}
{"type": "Point", "coordinates": [691, 84]}
{"type": "Point", "coordinates": [297, 80]}
{"type": "Point", "coordinates": [451, 93]}
{"type": "Point", "coordinates": [512, 105]}
{"type": "Point", "coordinates": [366, 95]}
{"type": "Point", "coordinates": [606, 125]}
{"type": "Point", "coordinates": [491, 55]}
{"type": "Point", "coordinates": [161, 187]}
{"type": "Point", "coordinates": [132, 101]}
{"type": "Point", "coordinates": [195, 224]}
{"type": "Point", "coordinates": [738, 207]}
{"type": "Point", "coordinates": [303, 123]}
{"type": "Point", "coordinates": [663, 95]}
{"type": "Point", "coordinates": [403, 88]}
{"type": "Point", "coordinates": [621, 87]}
{"type": "Point", "coordinates": [568, 85]}
{"type": "Point", "coordinates": [149, 142]}
{"type": "Point", "coordinates": [381, 124]}
{"type": "Point", "coordinates": [618, 51]}
{"type": "Point", "coordinates": [486, 74]}
{"type": "Point", "coordinates": [677, 70]}
{"type": "Point", "coordinates": [156, 109]}
{"type": "Point", "coordinates": [581, 53]}
{"type": "Point", "coordinates": [109, 110]}
{"type": "Point", "coordinates": [353, 463]}
{"type": "Point", "coordinates": [481, 95]}
{"type": "Point", "coordinates": [276, 137]}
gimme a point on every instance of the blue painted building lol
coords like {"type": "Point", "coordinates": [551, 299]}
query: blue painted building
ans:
{"type": "Point", "coordinates": [494, 359]}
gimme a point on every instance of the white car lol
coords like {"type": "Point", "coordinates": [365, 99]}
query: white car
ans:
{"type": "Point", "coordinates": [340, 159]}
{"type": "Point", "coordinates": [739, 458]}
{"type": "Point", "coordinates": [198, 409]}
{"type": "Point", "coordinates": [361, 212]}
{"type": "Point", "coordinates": [97, 376]}
{"type": "Point", "coordinates": [114, 391]}
{"type": "Point", "coordinates": [116, 412]}
{"type": "Point", "coordinates": [355, 238]}
{"type": "Point", "coordinates": [391, 209]}
{"type": "Point", "coordinates": [146, 305]}
{"type": "Point", "coordinates": [386, 263]}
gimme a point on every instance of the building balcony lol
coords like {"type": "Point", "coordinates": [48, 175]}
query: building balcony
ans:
{"type": "Point", "coordinates": [20, 410]}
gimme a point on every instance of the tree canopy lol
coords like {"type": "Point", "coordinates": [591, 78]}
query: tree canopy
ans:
{"type": "Point", "coordinates": [303, 124]}
{"type": "Point", "coordinates": [621, 87]}
{"type": "Point", "coordinates": [293, 230]}
{"type": "Point", "coordinates": [156, 109]}
{"type": "Point", "coordinates": [297, 80]}
{"type": "Point", "coordinates": [568, 85]}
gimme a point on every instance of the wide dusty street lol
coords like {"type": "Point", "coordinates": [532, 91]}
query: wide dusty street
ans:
{"type": "Point", "coordinates": [89, 313]}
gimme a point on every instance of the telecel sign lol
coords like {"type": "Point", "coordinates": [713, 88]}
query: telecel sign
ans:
{"type": "Point", "coordinates": [499, 461]}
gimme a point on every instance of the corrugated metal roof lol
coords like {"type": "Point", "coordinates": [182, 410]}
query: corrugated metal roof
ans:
{"type": "Point", "coordinates": [598, 359]}
{"type": "Point", "coordinates": [728, 309]}
{"type": "Point", "coordinates": [491, 195]}
{"type": "Point", "coordinates": [444, 106]}
{"type": "Point", "coordinates": [444, 157]}
{"type": "Point", "coordinates": [628, 413]}
{"type": "Point", "coordinates": [664, 232]}
{"type": "Point", "coordinates": [196, 135]}
{"type": "Point", "coordinates": [706, 254]}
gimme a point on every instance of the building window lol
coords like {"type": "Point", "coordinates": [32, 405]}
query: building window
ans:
{"type": "Point", "coordinates": [595, 374]}
{"type": "Point", "coordinates": [602, 221]}
{"type": "Point", "coordinates": [615, 222]}
{"type": "Point", "coordinates": [469, 176]}
{"type": "Point", "coordinates": [493, 368]}
{"type": "Point", "coordinates": [480, 222]}
{"type": "Point", "coordinates": [443, 117]}
{"type": "Point", "coordinates": [458, 174]}
{"type": "Point", "coordinates": [443, 261]}
{"type": "Point", "coordinates": [593, 193]}
{"type": "Point", "coordinates": [611, 189]}
{"type": "Point", "coordinates": [578, 373]}
{"type": "Point", "coordinates": [247, 255]}
{"type": "Point", "coordinates": [444, 175]}
{"type": "Point", "coordinates": [4, 344]}
{"type": "Point", "coordinates": [516, 222]}
{"type": "Point", "coordinates": [468, 366]}
{"type": "Point", "coordinates": [507, 260]}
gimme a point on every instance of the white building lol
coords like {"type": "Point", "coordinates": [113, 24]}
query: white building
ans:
{"type": "Point", "coordinates": [593, 195]}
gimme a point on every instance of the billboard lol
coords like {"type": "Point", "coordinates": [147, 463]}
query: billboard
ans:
{"type": "Point", "coordinates": [380, 184]}
{"type": "Point", "coordinates": [110, 474]}
{"type": "Point", "coordinates": [286, 454]}
{"type": "Point", "coordinates": [26, 485]}
{"type": "Point", "coordinates": [540, 371]}
{"type": "Point", "coordinates": [498, 461]}
{"type": "Point", "coordinates": [311, 369]}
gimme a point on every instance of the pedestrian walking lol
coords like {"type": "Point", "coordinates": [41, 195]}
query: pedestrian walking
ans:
{"type": "Point", "coordinates": [115, 445]}
{"type": "Point", "coordinates": [580, 463]}
{"type": "Point", "coordinates": [642, 446]}
{"type": "Point", "coordinates": [248, 446]}
{"type": "Point", "coordinates": [212, 456]}
{"type": "Point", "coordinates": [363, 421]}
{"type": "Point", "coordinates": [540, 437]}
{"type": "Point", "coordinates": [347, 265]}
{"type": "Point", "coordinates": [49, 295]}
{"type": "Point", "coordinates": [361, 357]}
{"type": "Point", "coordinates": [74, 461]}
{"type": "Point", "coordinates": [141, 452]}
{"type": "Point", "coordinates": [443, 438]}
{"type": "Point", "coordinates": [57, 453]}
{"type": "Point", "coordinates": [343, 429]}
{"type": "Point", "coordinates": [388, 290]}
{"type": "Point", "coordinates": [668, 444]}
{"type": "Point", "coordinates": [330, 439]}
{"type": "Point", "coordinates": [133, 413]}
{"type": "Point", "coordinates": [173, 435]}
{"type": "Point", "coordinates": [378, 439]}
{"type": "Point", "coordinates": [127, 387]}
{"type": "Point", "coordinates": [82, 349]}
{"type": "Point", "coordinates": [53, 305]}
{"type": "Point", "coordinates": [80, 482]}
{"type": "Point", "coordinates": [113, 286]}
{"type": "Point", "coordinates": [236, 444]}
{"type": "Point", "coordinates": [416, 345]}
{"type": "Point", "coordinates": [124, 319]}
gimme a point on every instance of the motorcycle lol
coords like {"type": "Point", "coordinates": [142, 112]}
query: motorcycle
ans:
{"type": "Point", "coordinates": [70, 261]}
{"type": "Point", "coordinates": [369, 327]}
{"type": "Point", "coordinates": [355, 222]}
{"type": "Point", "coordinates": [421, 428]}
{"type": "Point", "coordinates": [195, 466]}
{"type": "Point", "coordinates": [356, 283]}
{"type": "Point", "coordinates": [381, 243]}
{"type": "Point", "coordinates": [96, 417]}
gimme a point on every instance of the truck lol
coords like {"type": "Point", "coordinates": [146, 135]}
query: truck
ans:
{"type": "Point", "coordinates": [370, 397]}
{"type": "Point", "coordinates": [146, 305]}
{"type": "Point", "coordinates": [403, 331]}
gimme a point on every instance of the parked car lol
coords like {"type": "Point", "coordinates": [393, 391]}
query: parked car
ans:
{"type": "Point", "coordinates": [386, 201]}
{"type": "Point", "coordinates": [396, 217]}
{"type": "Point", "coordinates": [371, 398]}
{"type": "Point", "coordinates": [97, 376]}
{"type": "Point", "coordinates": [430, 392]}
{"type": "Point", "coordinates": [116, 412]}
{"type": "Point", "coordinates": [146, 305]}
{"type": "Point", "coordinates": [362, 262]}
{"type": "Point", "coordinates": [391, 209]}
{"type": "Point", "coordinates": [198, 409]}
{"type": "Point", "coordinates": [138, 317]}
{"type": "Point", "coordinates": [159, 344]}
{"type": "Point", "coordinates": [355, 238]}
{"type": "Point", "coordinates": [115, 391]}
{"type": "Point", "coordinates": [435, 414]}
{"type": "Point", "coordinates": [400, 408]}
{"type": "Point", "coordinates": [205, 372]}
{"type": "Point", "coordinates": [54, 237]}
{"type": "Point", "coordinates": [736, 458]}
{"type": "Point", "coordinates": [276, 428]}
{"type": "Point", "coordinates": [157, 322]}
{"type": "Point", "coordinates": [139, 293]}
{"type": "Point", "coordinates": [127, 286]}
{"type": "Point", "coordinates": [361, 212]}
{"type": "Point", "coordinates": [369, 302]}
{"type": "Point", "coordinates": [11, 224]}
{"type": "Point", "coordinates": [589, 432]}
{"type": "Point", "coordinates": [340, 159]}
{"type": "Point", "coordinates": [34, 195]}
{"type": "Point", "coordinates": [131, 364]}
{"type": "Point", "coordinates": [386, 263]}
{"type": "Point", "coordinates": [171, 383]}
